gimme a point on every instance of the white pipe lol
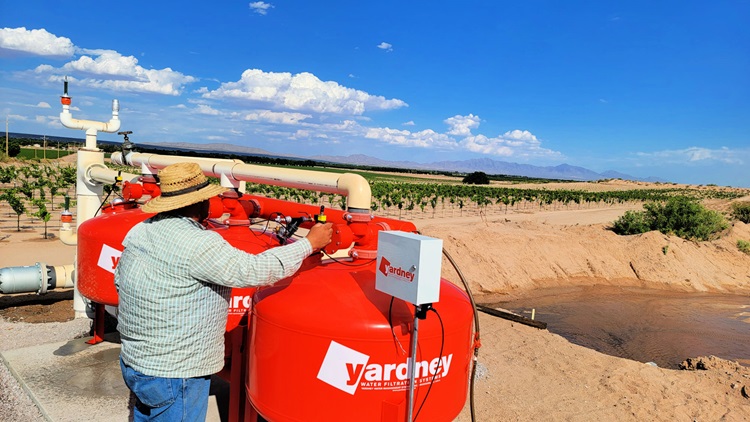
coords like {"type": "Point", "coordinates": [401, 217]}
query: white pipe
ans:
{"type": "Point", "coordinates": [353, 186]}
{"type": "Point", "coordinates": [67, 235]}
{"type": "Point", "coordinates": [91, 126]}
{"type": "Point", "coordinates": [100, 173]}
{"type": "Point", "coordinates": [90, 160]}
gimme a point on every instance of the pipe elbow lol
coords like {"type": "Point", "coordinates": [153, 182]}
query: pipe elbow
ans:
{"type": "Point", "coordinates": [357, 190]}
{"type": "Point", "coordinates": [69, 122]}
{"type": "Point", "coordinates": [112, 126]}
{"type": "Point", "coordinates": [68, 236]}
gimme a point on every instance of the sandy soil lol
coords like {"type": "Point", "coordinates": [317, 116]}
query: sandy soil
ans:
{"type": "Point", "coordinates": [526, 374]}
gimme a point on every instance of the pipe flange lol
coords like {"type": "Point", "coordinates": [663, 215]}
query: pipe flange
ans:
{"type": "Point", "coordinates": [363, 253]}
{"type": "Point", "coordinates": [357, 217]}
{"type": "Point", "coordinates": [43, 278]}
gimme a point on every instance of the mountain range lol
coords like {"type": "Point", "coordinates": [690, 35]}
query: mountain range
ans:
{"type": "Point", "coordinates": [486, 165]}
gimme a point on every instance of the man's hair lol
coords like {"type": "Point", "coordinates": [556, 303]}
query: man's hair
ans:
{"type": "Point", "coordinates": [189, 211]}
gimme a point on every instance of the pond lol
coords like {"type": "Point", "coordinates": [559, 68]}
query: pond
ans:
{"type": "Point", "coordinates": [645, 325]}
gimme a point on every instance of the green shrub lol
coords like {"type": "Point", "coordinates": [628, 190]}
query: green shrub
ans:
{"type": "Point", "coordinates": [633, 222]}
{"type": "Point", "coordinates": [681, 216]}
{"type": "Point", "coordinates": [743, 246]}
{"type": "Point", "coordinates": [741, 211]}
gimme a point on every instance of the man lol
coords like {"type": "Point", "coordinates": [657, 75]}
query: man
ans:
{"type": "Point", "coordinates": [174, 281]}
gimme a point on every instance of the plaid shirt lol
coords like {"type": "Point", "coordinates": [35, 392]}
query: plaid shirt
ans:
{"type": "Point", "coordinates": [174, 280]}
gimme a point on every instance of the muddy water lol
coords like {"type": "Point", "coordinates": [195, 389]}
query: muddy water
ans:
{"type": "Point", "coordinates": [645, 325]}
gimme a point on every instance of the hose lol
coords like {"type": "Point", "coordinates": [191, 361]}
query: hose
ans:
{"type": "Point", "coordinates": [477, 343]}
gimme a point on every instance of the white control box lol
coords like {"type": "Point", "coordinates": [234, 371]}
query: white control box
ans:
{"type": "Point", "coordinates": [408, 266]}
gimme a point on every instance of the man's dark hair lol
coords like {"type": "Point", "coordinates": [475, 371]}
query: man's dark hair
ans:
{"type": "Point", "coordinates": [198, 211]}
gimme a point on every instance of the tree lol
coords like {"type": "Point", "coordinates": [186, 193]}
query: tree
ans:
{"type": "Point", "coordinates": [476, 178]}
{"type": "Point", "coordinates": [42, 213]}
{"type": "Point", "coordinates": [16, 204]}
{"type": "Point", "coordinates": [14, 148]}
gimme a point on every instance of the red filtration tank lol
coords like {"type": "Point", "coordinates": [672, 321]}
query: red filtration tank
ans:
{"type": "Point", "coordinates": [324, 344]}
{"type": "Point", "coordinates": [100, 246]}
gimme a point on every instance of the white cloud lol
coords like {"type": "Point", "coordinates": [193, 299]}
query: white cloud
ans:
{"type": "Point", "coordinates": [110, 70]}
{"type": "Point", "coordinates": [424, 139]}
{"type": "Point", "coordinates": [285, 118]}
{"type": "Point", "coordinates": [515, 143]}
{"type": "Point", "coordinates": [462, 125]}
{"type": "Point", "coordinates": [697, 154]}
{"type": "Point", "coordinates": [35, 41]}
{"type": "Point", "coordinates": [43, 104]}
{"type": "Point", "coordinates": [485, 145]}
{"type": "Point", "coordinates": [207, 110]}
{"type": "Point", "coordinates": [301, 92]}
{"type": "Point", "coordinates": [17, 117]}
{"type": "Point", "coordinates": [385, 46]}
{"type": "Point", "coordinates": [409, 123]}
{"type": "Point", "coordinates": [303, 134]}
{"type": "Point", "coordinates": [260, 7]}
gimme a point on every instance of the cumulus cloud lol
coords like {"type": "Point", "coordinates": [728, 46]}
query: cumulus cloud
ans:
{"type": "Point", "coordinates": [409, 123]}
{"type": "Point", "coordinates": [300, 92]}
{"type": "Point", "coordinates": [697, 155]}
{"type": "Point", "coordinates": [260, 7]}
{"type": "Point", "coordinates": [36, 42]}
{"type": "Point", "coordinates": [285, 118]}
{"type": "Point", "coordinates": [110, 70]}
{"type": "Point", "coordinates": [43, 104]}
{"type": "Point", "coordinates": [207, 110]}
{"type": "Point", "coordinates": [462, 125]}
{"type": "Point", "coordinates": [385, 46]}
{"type": "Point", "coordinates": [515, 143]}
{"type": "Point", "coordinates": [424, 139]}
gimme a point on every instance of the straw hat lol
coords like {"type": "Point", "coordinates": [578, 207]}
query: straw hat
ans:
{"type": "Point", "coordinates": [181, 184]}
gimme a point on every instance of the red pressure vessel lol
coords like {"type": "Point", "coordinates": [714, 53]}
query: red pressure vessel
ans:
{"type": "Point", "coordinates": [325, 346]}
{"type": "Point", "coordinates": [99, 250]}
{"type": "Point", "coordinates": [100, 247]}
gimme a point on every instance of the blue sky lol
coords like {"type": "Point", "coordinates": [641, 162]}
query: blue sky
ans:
{"type": "Point", "coordinates": [647, 88]}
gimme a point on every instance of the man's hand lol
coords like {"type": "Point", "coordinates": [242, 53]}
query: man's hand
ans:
{"type": "Point", "coordinates": [320, 235]}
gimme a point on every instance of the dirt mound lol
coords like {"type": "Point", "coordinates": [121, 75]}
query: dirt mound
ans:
{"type": "Point", "coordinates": [508, 255]}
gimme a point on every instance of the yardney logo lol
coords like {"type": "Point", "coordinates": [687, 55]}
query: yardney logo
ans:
{"type": "Point", "coordinates": [108, 258]}
{"type": "Point", "coordinates": [348, 369]}
{"type": "Point", "coordinates": [239, 304]}
{"type": "Point", "coordinates": [389, 270]}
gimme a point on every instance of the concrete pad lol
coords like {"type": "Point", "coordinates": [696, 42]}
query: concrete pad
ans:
{"type": "Point", "coordinates": [74, 381]}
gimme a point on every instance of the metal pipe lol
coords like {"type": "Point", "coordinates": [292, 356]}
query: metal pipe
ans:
{"type": "Point", "coordinates": [38, 278]}
{"type": "Point", "coordinates": [353, 186]}
{"type": "Point", "coordinates": [413, 364]}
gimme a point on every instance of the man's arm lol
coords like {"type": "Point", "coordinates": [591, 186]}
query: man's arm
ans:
{"type": "Point", "coordinates": [218, 262]}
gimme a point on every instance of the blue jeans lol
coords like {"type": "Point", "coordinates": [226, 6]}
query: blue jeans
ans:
{"type": "Point", "coordinates": [167, 399]}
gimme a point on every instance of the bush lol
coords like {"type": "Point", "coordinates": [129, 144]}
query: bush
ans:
{"type": "Point", "coordinates": [681, 216]}
{"type": "Point", "coordinates": [741, 211]}
{"type": "Point", "coordinates": [633, 222]}
{"type": "Point", "coordinates": [743, 246]}
{"type": "Point", "coordinates": [476, 178]}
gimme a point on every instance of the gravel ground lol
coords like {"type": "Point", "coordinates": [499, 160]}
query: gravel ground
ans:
{"type": "Point", "coordinates": [15, 404]}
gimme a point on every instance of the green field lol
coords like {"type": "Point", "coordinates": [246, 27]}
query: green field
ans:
{"type": "Point", "coordinates": [41, 153]}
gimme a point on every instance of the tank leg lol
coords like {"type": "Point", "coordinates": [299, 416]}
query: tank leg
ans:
{"type": "Point", "coordinates": [98, 324]}
{"type": "Point", "coordinates": [237, 376]}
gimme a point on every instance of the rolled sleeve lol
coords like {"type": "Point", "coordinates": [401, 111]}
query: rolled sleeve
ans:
{"type": "Point", "coordinates": [216, 261]}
